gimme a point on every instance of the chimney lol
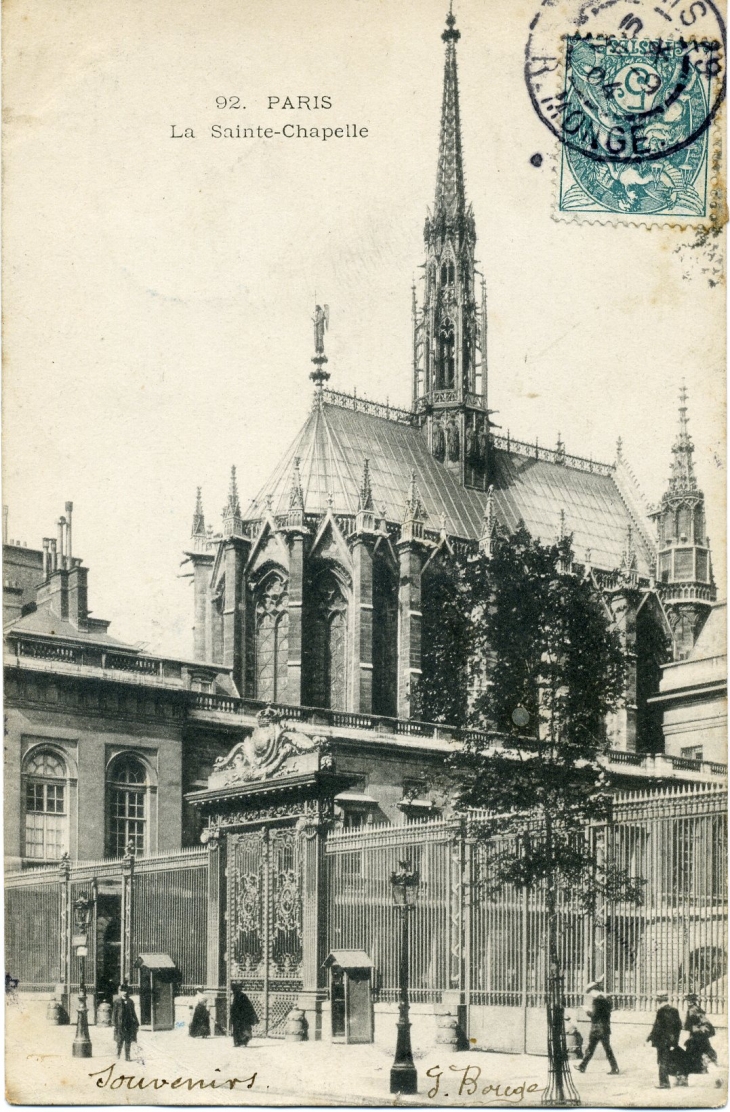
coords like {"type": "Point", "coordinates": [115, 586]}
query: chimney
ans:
{"type": "Point", "coordinates": [61, 562]}
{"type": "Point", "coordinates": [78, 596]}
{"type": "Point", "coordinates": [69, 550]}
{"type": "Point", "coordinates": [46, 558]}
{"type": "Point", "coordinates": [55, 589]}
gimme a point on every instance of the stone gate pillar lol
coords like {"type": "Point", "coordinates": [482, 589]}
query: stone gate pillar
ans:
{"type": "Point", "coordinates": [215, 976]}
{"type": "Point", "coordinates": [312, 830]}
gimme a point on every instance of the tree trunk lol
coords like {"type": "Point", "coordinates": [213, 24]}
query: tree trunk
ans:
{"type": "Point", "coordinates": [560, 1090]}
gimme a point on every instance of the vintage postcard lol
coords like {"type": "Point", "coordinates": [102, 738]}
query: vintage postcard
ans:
{"type": "Point", "coordinates": [364, 564]}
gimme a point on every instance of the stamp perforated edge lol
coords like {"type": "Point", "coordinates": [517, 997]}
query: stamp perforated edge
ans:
{"type": "Point", "coordinates": [717, 211]}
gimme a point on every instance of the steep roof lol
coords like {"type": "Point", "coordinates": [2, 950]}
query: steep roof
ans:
{"type": "Point", "coordinates": [43, 623]}
{"type": "Point", "coordinates": [336, 439]}
{"type": "Point", "coordinates": [712, 641]}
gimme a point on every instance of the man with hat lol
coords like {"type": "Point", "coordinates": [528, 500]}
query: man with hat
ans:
{"type": "Point", "coordinates": [124, 1021]}
{"type": "Point", "coordinates": [664, 1037]}
{"type": "Point", "coordinates": [599, 1013]}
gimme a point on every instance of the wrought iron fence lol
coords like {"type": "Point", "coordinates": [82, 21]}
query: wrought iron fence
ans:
{"type": "Point", "coordinates": [156, 904]}
{"type": "Point", "coordinates": [488, 948]}
{"type": "Point", "coordinates": [491, 947]}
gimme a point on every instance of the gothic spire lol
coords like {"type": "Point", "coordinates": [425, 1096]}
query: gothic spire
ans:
{"type": "Point", "coordinates": [198, 529]}
{"type": "Point", "coordinates": [232, 522]}
{"type": "Point", "coordinates": [233, 506]}
{"type": "Point", "coordinates": [365, 494]}
{"type": "Point", "coordinates": [296, 494]}
{"type": "Point", "coordinates": [682, 476]}
{"type": "Point", "coordinates": [450, 196]}
{"type": "Point", "coordinates": [489, 526]}
{"type": "Point", "coordinates": [414, 508]}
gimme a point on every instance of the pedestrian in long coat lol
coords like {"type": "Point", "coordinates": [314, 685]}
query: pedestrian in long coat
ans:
{"type": "Point", "coordinates": [664, 1037]}
{"type": "Point", "coordinates": [124, 1021]}
{"type": "Point", "coordinates": [698, 1047]}
{"type": "Point", "coordinates": [243, 1017]}
{"type": "Point", "coordinates": [200, 1023]}
{"type": "Point", "coordinates": [600, 1030]}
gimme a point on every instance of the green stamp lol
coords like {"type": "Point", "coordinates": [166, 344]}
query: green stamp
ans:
{"type": "Point", "coordinates": [634, 122]}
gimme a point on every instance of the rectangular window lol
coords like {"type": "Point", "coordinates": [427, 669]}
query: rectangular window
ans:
{"type": "Point", "coordinates": [692, 752]}
{"type": "Point", "coordinates": [45, 821]}
{"type": "Point", "coordinates": [683, 568]}
{"type": "Point", "coordinates": [126, 820]}
{"type": "Point", "coordinates": [702, 572]}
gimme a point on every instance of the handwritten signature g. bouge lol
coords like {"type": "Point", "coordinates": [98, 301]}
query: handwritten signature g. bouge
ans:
{"type": "Point", "coordinates": [469, 1085]}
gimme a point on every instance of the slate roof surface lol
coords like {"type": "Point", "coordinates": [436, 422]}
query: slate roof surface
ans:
{"type": "Point", "coordinates": [46, 624]}
{"type": "Point", "coordinates": [335, 441]}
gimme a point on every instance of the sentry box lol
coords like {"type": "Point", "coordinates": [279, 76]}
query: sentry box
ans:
{"type": "Point", "coordinates": [351, 996]}
{"type": "Point", "coordinates": [157, 976]}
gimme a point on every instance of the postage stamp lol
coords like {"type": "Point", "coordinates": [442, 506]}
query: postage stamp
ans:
{"type": "Point", "coordinates": [635, 113]}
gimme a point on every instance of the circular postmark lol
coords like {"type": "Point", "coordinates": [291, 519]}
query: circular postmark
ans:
{"type": "Point", "coordinates": [628, 81]}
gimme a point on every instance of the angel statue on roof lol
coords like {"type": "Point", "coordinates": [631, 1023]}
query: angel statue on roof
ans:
{"type": "Point", "coordinates": [321, 321]}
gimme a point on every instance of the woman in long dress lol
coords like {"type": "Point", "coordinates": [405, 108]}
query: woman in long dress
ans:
{"type": "Point", "coordinates": [243, 1017]}
{"type": "Point", "coordinates": [200, 1023]}
{"type": "Point", "coordinates": [700, 1052]}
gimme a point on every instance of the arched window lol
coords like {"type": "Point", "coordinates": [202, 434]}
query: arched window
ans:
{"type": "Point", "coordinates": [448, 274]}
{"type": "Point", "coordinates": [446, 367]}
{"type": "Point", "coordinates": [324, 654]}
{"type": "Point", "coordinates": [272, 639]}
{"type": "Point", "coordinates": [684, 518]}
{"type": "Point", "coordinates": [126, 807]}
{"type": "Point", "coordinates": [46, 806]}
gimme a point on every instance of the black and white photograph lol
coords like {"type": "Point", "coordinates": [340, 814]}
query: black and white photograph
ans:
{"type": "Point", "coordinates": [364, 553]}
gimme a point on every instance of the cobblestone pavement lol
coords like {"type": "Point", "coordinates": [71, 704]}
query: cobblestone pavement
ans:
{"type": "Point", "coordinates": [40, 1069]}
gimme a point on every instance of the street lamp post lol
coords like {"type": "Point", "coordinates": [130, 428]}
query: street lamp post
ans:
{"type": "Point", "coordinates": [83, 908]}
{"type": "Point", "coordinates": [403, 1076]}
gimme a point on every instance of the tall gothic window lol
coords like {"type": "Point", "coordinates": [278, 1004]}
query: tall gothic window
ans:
{"type": "Point", "coordinates": [46, 806]}
{"type": "Point", "coordinates": [126, 806]}
{"type": "Point", "coordinates": [272, 639]}
{"type": "Point", "coordinates": [385, 639]}
{"type": "Point", "coordinates": [447, 359]}
{"type": "Point", "coordinates": [684, 518]}
{"type": "Point", "coordinates": [324, 649]}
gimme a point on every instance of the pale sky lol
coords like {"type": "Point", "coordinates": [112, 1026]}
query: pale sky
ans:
{"type": "Point", "coordinates": [158, 291]}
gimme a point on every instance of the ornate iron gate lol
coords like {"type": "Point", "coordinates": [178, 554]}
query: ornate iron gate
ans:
{"type": "Point", "coordinates": [265, 922]}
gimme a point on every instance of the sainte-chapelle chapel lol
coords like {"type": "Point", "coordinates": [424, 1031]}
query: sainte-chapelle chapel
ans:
{"type": "Point", "coordinates": [304, 701]}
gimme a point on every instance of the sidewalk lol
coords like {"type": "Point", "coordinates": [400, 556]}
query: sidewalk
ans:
{"type": "Point", "coordinates": [41, 1070]}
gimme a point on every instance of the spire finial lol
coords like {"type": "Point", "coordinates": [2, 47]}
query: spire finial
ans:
{"type": "Point", "coordinates": [296, 494]}
{"type": "Point", "coordinates": [450, 195]}
{"type": "Point", "coordinates": [233, 506]}
{"type": "Point", "coordinates": [414, 508]}
{"type": "Point", "coordinates": [321, 320]}
{"type": "Point", "coordinates": [628, 560]}
{"type": "Point", "coordinates": [683, 476]}
{"type": "Point", "coordinates": [232, 524]}
{"type": "Point", "coordinates": [365, 494]}
{"type": "Point", "coordinates": [489, 526]}
{"type": "Point", "coordinates": [198, 529]}
{"type": "Point", "coordinates": [450, 34]}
